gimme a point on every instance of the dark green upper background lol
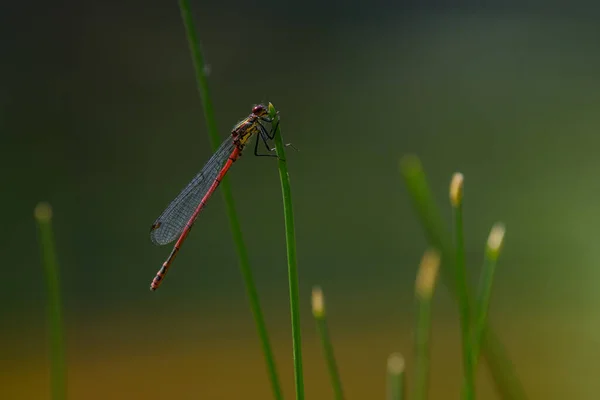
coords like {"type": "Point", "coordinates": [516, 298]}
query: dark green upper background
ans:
{"type": "Point", "coordinates": [99, 115]}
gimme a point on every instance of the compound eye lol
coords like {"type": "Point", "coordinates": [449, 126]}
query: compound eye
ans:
{"type": "Point", "coordinates": [258, 110]}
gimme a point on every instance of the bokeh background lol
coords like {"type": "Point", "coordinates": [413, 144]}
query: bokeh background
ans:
{"type": "Point", "coordinates": [99, 115]}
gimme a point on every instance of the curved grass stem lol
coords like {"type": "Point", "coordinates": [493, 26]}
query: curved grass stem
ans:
{"type": "Point", "coordinates": [236, 230]}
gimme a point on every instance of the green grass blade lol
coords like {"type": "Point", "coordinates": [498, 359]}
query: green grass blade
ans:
{"type": "Point", "coordinates": [199, 68]}
{"type": "Point", "coordinates": [500, 366]}
{"type": "Point", "coordinates": [318, 308]}
{"type": "Point", "coordinates": [58, 365]}
{"type": "Point", "coordinates": [396, 380]}
{"type": "Point", "coordinates": [424, 289]}
{"type": "Point", "coordinates": [460, 276]}
{"type": "Point", "coordinates": [291, 255]}
{"type": "Point", "coordinates": [236, 230]}
{"type": "Point", "coordinates": [492, 252]}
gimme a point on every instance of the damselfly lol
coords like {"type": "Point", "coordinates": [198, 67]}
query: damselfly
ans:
{"type": "Point", "coordinates": [179, 217]}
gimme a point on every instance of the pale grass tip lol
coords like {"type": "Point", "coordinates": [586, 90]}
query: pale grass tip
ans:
{"type": "Point", "coordinates": [410, 163]}
{"type": "Point", "coordinates": [456, 189]}
{"type": "Point", "coordinates": [427, 274]}
{"type": "Point", "coordinates": [43, 212]}
{"type": "Point", "coordinates": [496, 238]}
{"type": "Point", "coordinates": [395, 364]}
{"type": "Point", "coordinates": [318, 302]}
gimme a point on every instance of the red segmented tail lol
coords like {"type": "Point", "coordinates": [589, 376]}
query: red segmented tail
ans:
{"type": "Point", "coordinates": [162, 272]}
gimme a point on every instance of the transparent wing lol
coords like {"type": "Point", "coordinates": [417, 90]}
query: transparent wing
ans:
{"type": "Point", "coordinates": [169, 225]}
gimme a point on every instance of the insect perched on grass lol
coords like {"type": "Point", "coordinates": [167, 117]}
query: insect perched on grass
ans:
{"type": "Point", "coordinates": [179, 217]}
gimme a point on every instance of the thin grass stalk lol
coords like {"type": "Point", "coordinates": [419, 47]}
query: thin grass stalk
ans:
{"type": "Point", "coordinates": [290, 238]}
{"type": "Point", "coordinates": [318, 308]}
{"type": "Point", "coordinates": [58, 364]}
{"type": "Point", "coordinates": [236, 230]}
{"type": "Point", "coordinates": [460, 276]}
{"type": "Point", "coordinates": [424, 289]}
{"type": "Point", "coordinates": [492, 252]}
{"type": "Point", "coordinates": [396, 378]}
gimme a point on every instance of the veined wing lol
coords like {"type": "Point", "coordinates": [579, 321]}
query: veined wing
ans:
{"type": "Point", "coordinates": [169, 225]}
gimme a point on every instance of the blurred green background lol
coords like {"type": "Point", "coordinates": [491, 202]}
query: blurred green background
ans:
{"type": "Point", "coordinates": [99, 115]}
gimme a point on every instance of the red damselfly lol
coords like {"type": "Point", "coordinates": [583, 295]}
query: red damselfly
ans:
{"type": "Point", "coordinates": [179, 217]}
